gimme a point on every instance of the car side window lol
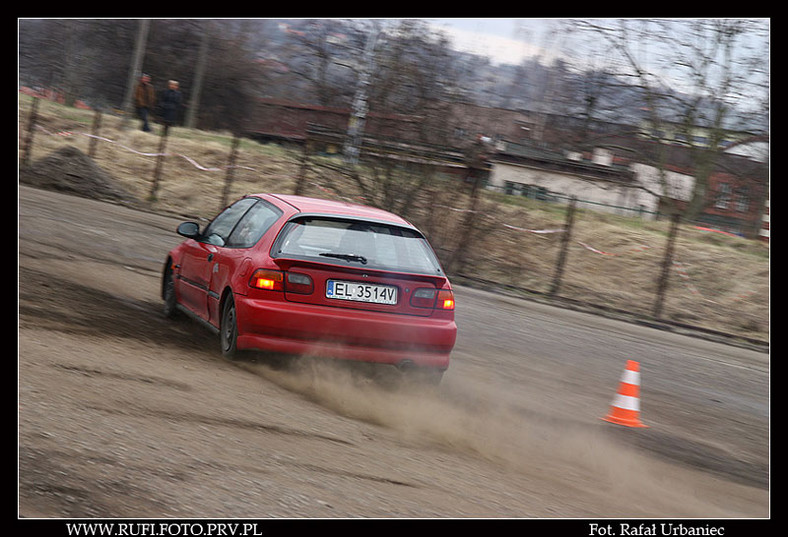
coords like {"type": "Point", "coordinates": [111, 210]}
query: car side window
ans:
{"type": "Point", "coordinates": [218, 231]}
{"type": "Point", "coordinates": [253, 225]}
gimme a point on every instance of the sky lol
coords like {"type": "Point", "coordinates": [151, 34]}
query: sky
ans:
{"type": "Point", "coordinates": [508, 40]}
{"type": "Point", "coordinates": [504, 40]}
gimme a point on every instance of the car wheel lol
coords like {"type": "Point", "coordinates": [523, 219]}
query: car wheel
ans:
{"type": "Point", "coordinates": [168, 294]}
{"type": "Point", "coordinates": [228, 331]}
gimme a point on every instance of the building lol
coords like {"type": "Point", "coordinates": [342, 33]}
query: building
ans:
{"type": "Point", "coordinates": [535, 155]}
{"type": "Point", "coordinates": [537, 171]}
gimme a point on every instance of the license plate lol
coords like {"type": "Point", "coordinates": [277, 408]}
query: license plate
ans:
{"type": "Point", "coordinates": [361, 292]}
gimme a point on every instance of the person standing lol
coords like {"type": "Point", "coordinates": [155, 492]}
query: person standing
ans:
{"type": "Point", "coordinates": [144, 100]}
{"type": "Point", "coordinates": [170, 104]}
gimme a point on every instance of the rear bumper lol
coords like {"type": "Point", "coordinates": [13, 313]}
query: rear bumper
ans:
{"type": "Point", "coordinates": [294, 328]}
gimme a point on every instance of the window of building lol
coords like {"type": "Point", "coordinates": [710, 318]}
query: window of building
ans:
{"type": "Point", "coordinates": [723, 196]}
{"type": "Point", "coordinates": [743, 199]}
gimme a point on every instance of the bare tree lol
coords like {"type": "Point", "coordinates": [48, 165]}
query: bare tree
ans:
{"type": "Point", "coordinates": [231, 78]}
{"type": "Point", "coordinates": [323, 59]}
{"type": "Point", "coordinates": [90, 59]}
{"type": "Point", "coordinates": [411, 93]}
{"type": "Point", "coordinates": [692, 75]}
{"type": "Point", "coordinates": [80, 59]}
{"type": "Point", "coordinates": [419, 150]}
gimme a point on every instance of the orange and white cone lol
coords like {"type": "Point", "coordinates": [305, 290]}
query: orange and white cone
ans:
{"type": "Point", "coordinates": [625, 409]}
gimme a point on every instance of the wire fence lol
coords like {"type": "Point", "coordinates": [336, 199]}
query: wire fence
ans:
{"type": "Point", "coordinates": [664, 270]}
{"type": "Point", "coordinates": [567, 249]}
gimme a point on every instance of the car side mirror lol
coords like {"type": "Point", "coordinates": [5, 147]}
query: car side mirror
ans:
{"type": "Point", "coordinates": [189, 229]}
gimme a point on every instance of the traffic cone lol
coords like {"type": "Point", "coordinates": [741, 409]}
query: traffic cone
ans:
{"type": "Point", "coordinates": [625, 409]}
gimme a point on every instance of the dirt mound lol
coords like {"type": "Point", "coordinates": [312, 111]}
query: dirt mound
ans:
{"type": "Point", "coordinates": [69, 170]}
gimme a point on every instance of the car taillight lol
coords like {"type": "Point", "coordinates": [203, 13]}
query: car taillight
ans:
{"type": "Point", "coordinates": [423, 298]}
{"type": "Point", "coordinates": [272, 280]}
{"type": "Point", "coordinates": [299, 283]}
{"type": "Point", "coordinates": [445, 300]}
{"type": "Point", "coordinates": [426, 297]}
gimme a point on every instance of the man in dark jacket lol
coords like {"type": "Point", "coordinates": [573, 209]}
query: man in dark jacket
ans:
{"type": "Point", "coordinates": [144, 100]}
{"type": "Point", "coordinates": [170, 104]}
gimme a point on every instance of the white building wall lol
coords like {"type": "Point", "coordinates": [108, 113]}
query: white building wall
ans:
{"type": "Point", "coordinates": [596, 191]}
{"type": "Point", "coordinates": [764, 233]}
{"type": "Point", "coordinates": [666, 183]}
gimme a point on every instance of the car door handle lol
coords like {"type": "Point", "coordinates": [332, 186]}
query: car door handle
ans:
{"type": "Point", "coordinates": [210, 257]}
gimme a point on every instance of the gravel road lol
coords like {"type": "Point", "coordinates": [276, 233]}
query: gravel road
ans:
{"type": "Point", "coordinates": [123, 413]}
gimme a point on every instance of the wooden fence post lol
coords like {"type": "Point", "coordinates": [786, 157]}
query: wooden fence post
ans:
{"type": "Point", "coordinates": [667, 264]}
{"type": "Point", "coordinates": [31, 125]}
{"type": "Point", "coordinates": [228, 180]}
{"type": "Point", "coordinates": [467, 222]}
{"type": "Point", "coordinates": [94, 132]}
{"type": "Point", "coordinates": [300, 186]}
{"type": "Point", "coordinates": [559, 268]}
{"type": "Point", "coordinates": [159, 163]}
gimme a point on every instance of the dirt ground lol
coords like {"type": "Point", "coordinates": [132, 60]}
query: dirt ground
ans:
{"type": "Point", "coordinates": [123, 413]}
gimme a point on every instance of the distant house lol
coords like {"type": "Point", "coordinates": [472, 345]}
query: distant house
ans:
{"type": "Point", "coordinates": [678, 134]}
{"type": "Point", "coordinates": [544, 157]}
{"type": "Point", "coordinates": [276, 120]}
{"type": "Point", "coordinates": [324, 130]}
{"type": "Point", "coordinates": [539, 172]}
{"type": "Point", "coordinates": [736, 197]}
{"type": "Point", "coordinates": [763, 234]}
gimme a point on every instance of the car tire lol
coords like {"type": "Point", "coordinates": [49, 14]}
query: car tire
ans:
{"type": "Point", "coordinates": [168, 294]}
{"type": "Point", "coordinates": [228, 329]}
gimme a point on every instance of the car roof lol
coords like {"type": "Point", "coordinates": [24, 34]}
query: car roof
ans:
{"type": "Point", "coordinates": [317, 206]}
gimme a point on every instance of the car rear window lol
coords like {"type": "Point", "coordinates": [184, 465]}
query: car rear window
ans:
{"type": "Point", "coordinates": [357, 243]}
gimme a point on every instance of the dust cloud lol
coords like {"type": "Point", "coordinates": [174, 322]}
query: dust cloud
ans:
{"type": "Point", "coordinates": [462, 416]}
{"type": "Point", "coordinates": [470, 419]}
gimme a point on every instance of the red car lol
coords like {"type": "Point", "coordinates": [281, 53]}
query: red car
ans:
{"type": "Point", "coordinates": [298, 275]}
